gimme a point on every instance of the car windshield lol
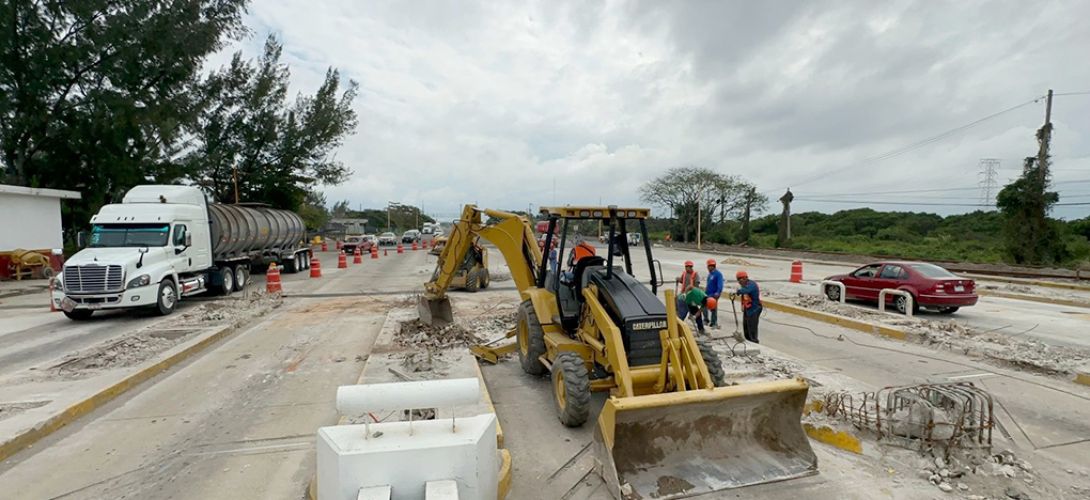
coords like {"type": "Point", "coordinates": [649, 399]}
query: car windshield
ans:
{"type": "Point", "coordinates": [932, 271]}
{"type": "Point", "coordinates": [387, 235]}
{"type": "Point", "coordinates": [129, 235]}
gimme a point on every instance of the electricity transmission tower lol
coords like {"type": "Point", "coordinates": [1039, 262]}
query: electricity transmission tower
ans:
{"type": "Point", "coordinates": [989, 174]}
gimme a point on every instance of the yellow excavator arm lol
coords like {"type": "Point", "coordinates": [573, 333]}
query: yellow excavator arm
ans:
{"type": "Point", "coordinates": [512, 235]}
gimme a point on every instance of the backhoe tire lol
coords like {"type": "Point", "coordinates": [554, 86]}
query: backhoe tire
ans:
{"type": "Point", "coordinates": [571, 389]}
{"type": "Point", "coordinates": [531, 340]}
{"type": "Point", "coordinates": [715, 365]}
{"type": "Point", "coordinates": [473, 280]}
{"type": "Point", "coordinates": [486, 279]}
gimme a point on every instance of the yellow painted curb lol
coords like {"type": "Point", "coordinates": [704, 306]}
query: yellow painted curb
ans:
{"type": "Point", "coordinates": [1034, 298]}
{"type": "Point", "coordinates": [69, 415]}
{"type": "Point", "coordinates": [837, 439]}
{"type": "Point", "coordinates": [488, 400]}
{"type": "Point", "coordinates": [1082, 377]}
{"type": "Point", "coordinates": [834, 319]}
{"type": "Point", "coordinates": [1050, 284]}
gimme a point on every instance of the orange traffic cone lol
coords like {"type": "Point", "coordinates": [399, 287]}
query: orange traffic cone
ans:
{"type": "Point", "coordinates": [357, 258]}
{"type": "Point", "coordinates": [385, 252]}
{"type": "Point", "coordinates": [315, 267]}
{"type": "Point", "coordinates": [342, 261]}
{"type": "Point", "coordinates": [374, 252]}
{"type": "Point", "coordinates": [339, 245]}
{"type": "Point", "coordinates": [400, 248]}
{"type": "Point", "coordinates": [414, 246]}
{"type": "Point", "coordinates": [425, 243]}
{"type": "Point", "coordinates": [272, 279]}
{"type": "Point", "coordinates": [325, 246]}
{"type": "Point", "coordinates": [796, 271]}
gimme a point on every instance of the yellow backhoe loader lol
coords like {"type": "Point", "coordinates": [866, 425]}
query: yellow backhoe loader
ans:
{"type": "Point", "coordinates": [669, 428]}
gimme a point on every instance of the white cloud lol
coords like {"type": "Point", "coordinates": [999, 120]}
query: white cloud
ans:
{"type": "Point", "coordinates": [493, 102]}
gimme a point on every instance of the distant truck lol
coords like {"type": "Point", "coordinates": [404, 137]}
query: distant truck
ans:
{"type": "Point", "coordinates": [163, 243]}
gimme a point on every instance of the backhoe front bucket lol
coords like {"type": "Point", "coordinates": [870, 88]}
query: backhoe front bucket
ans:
{"type": "Point", "coordinates": [435, 312]}
{"type": "Point", "coordinates": [680, 444]}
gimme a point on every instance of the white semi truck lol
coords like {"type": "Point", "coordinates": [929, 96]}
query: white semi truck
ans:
{"type": "Point", "coordinates": [164, 243]}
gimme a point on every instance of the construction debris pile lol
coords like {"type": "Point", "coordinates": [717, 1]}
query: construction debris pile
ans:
{"type": "Point", "coordinates": [417, 334]}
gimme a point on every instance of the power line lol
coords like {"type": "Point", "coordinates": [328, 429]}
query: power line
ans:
{"type": "Point", "coordinates": [918, 144]}
{"type": "Point", "coordinates": [1084, 92]}
{"type": "Point", "coordinates": [894, 203]}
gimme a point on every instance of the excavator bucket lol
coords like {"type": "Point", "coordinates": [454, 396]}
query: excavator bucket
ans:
{"type": "Point", "coordinates": [435, 312]}
{"type": "Point", "coordinates": [679, 444]}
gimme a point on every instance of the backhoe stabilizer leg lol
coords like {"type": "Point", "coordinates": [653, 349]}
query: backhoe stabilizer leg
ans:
{"type": "Point", "coordinates": [435, 312]}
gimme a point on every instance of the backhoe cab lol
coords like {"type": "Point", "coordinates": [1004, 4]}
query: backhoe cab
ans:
{"type": "Point", "coordinates": [668, 428]}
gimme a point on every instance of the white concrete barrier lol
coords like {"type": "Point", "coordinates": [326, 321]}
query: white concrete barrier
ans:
{"type": "Point", "coordinates": [407, 457]}
{"type": "Point", "coordinates": [843, 289]}
{"type": "Point", "coordinates": [894, 291]}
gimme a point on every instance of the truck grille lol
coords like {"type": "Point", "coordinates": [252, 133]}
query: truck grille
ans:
{"type": "Point", "coordinates": [92, 278]}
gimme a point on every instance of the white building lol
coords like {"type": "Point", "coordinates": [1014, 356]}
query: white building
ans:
{"type": "Point", "coordinates": [30, 218]}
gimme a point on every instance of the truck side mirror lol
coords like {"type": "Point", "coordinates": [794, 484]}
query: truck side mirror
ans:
{"type": "Point", "coordinates": [81, 239]}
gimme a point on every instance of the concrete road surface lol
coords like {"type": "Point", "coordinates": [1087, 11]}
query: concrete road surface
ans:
{"type": "Point", "coordinates": [237, 422]}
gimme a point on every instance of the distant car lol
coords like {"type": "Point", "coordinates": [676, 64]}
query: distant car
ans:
{"type": "Point", "coordinates": [931, 286]}
{"type": "Point", "coordinates": [426, 230]}
{"type": "Point", "coordinates": [411, 236]}
{"type": "Point", "coordinates": [351, 242]}
{"type": "Point", "coordinates": [387, 239]}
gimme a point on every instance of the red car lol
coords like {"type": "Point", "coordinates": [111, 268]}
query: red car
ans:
{"type": "Point", "coordinates": [931, 286]}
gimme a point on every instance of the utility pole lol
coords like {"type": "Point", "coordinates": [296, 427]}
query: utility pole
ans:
{"type": "Point", "coordinates": [1044, 137]}
{"type": "Point", "coordinates": [234, 169]}
{"type": "Point", "coordinates": [699, 194]}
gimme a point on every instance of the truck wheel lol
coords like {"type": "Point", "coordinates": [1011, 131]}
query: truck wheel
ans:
{"type": "Point", "coordinates": [289, 265]}
{"type": "Point", "coordinates": [714, 364]}
{"type": "Point", "coordinates": [227, 276]}
{"type": "Point", "coordinates": [79, 314]}
{"type": "Point", "coordinates": [167, 299]}
{"type": "Point", "coordinates": [531, 340]}
{"type": "Point", "coordinates": [571, 389]}
{"type": "Point", "coordinates": [473, 280]}
{"type": "Point", "coordinates": [306, 260]}
{"type": "Point", "coordinates": [242, 277]}
{"type": "Point", "coordinates": [486, 279]}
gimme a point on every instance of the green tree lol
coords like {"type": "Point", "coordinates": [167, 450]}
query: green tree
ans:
{"type": "Point", "coordinates": [314, 212]}
{"type": "Point", "coordinates": [96, 95]}
{"type": "Point", "coordinates": [1030, 236]}
{"type": "Point", "coordinates": [278, 151]}
{"type": "Point", "coordinates": [720, 198]}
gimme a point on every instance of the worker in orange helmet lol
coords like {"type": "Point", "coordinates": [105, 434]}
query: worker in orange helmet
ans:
{"type": "Point", "coordinates": [714, 288]}
{"type": "Point", "coordinates": [750, 294]}
{"type": "Point", "coordinates": [689, 278]}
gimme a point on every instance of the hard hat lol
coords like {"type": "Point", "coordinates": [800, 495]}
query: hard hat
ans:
{"type": "Point", "coordinates": [711, 262]}
{"type": "Point", "coordinates": [741, 274]}
{"type": "Point", "coordinates": [711, 304]}
{"type": "Point", "coordinates": [688, 263]}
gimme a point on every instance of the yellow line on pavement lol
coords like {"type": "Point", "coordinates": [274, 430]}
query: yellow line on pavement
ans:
{"type": "Point", "coordinates": [834, 319]}
{"type": "Point", "coordinates": [838, 439]}
{"type": "Point", "coordinates": [70, 414]}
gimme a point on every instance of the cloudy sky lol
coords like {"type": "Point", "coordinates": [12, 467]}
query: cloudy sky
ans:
{"type": "Point", "coordinates": [497, 102]}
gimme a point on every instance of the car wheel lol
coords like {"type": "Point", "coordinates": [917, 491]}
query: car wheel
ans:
{"type": "Point", "coordinates": [901, 304]}
{"type": "Point", "coordinates": [167, 299]}
{"type": "Point", "coordinates": [228, 277]}
{"type": "Point", "coordinates": [833, 292]}
{"type": "Point", "coordinates": [242, 277]}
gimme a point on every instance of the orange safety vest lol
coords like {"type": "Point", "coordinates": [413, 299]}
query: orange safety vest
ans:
{"type": "Point", "coordinates": [583, 250]}
{"type": "Point", "coordinates": [688, 279]}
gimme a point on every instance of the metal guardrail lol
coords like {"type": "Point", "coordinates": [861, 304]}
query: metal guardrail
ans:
{"type": "Point", "coordinates": [843, 289]}
{"type": "Point", "coordinates": [894, 291]}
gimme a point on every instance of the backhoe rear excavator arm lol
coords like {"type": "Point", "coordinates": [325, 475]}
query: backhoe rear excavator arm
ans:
{"type": "Point", "coordinates": [512, 235]}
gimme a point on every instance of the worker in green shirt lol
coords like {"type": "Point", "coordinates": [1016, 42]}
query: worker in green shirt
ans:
{"type": "Point", "coordinates": [694, 300]}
